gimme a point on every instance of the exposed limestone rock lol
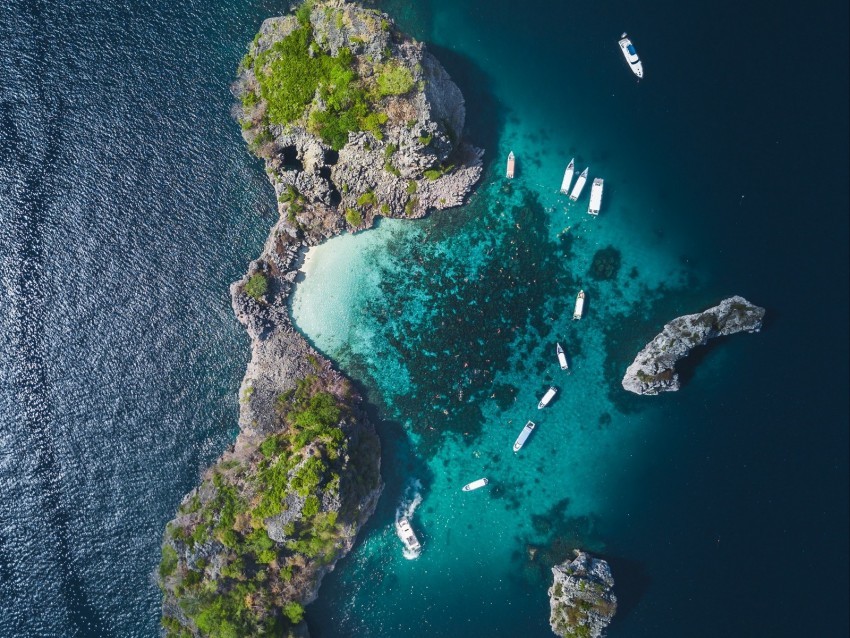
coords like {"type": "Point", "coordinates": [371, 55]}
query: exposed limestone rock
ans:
{"type": "Point", "coordinates": [653, 370]}
{"type": "Point", "coordinates": [581, 599]}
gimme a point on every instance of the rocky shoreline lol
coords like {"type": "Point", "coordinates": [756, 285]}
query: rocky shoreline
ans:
{"type": "Point", "coordinates": [248, 547]}
{"type": "Point", "coordinates": [581, 600]}
{"type": "Point", "coordinates": [654, 368]}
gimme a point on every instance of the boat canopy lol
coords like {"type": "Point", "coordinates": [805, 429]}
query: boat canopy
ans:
{"type": "Point", "coordinates": [632, 49]}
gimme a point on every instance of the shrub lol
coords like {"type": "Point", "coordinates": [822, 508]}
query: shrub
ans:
{"type": "Point", "coordinates": [425, 140]}
{"type": "Point", "coordinates": [394, 79]}
{"type": "Point", "coordinates": [367, 199]}
{"type": "Point", "coordinates": [411, 187]}
{"type": "Point", "coordinates": [294, 612]}
{"type": "Point", "coordinates": [433, 174]}
{"type": "Point", "coordinates": [410, 205]}
{"type": "Point", "coordinates": [257, 286]}
{"type": "Point", "coordinates": [169, 561]}
{"type": "Point", "coordinates": [353, 217]}
{"type": "Point", "coordinates": [311, 507]}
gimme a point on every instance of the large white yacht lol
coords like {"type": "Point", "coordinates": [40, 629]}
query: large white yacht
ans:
{"type": "Point", "coordinates": [595, 197]}
{"type": "Point", "coordinates": [562, 357]}
{"type": "Point", "coordinates": [405, 533]}
{"type": "Point", "coordinates": [523, 436]}
{"type": "Point", "coordinates": [579, 305]}
{"type": "Point", "coordinates": [568, 177]}
{"type": "Point", "coordinates": [579, 185]}
{"type": "Point", "coordinates": [631, 56]}
{"type": "Point", "coordinates": [475, 485]}
{"type": "Point", "coordinates": [550, 394]}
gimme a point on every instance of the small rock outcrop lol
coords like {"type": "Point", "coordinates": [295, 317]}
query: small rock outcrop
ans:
{"type": "Point", "coordinates": [354, 120]}
{"type": "Point", "coordinates": [581, 599]}
{"type": "Point", "coordinates": [653, 370]}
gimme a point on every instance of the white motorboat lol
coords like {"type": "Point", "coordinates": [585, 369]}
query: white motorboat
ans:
{"type": "Point", "coordinates": [523, 436]}
{"type": "Point", "coordinates": [631, 55]}
{"type": "Point", "coordinates": [579, 185]}
{"type": "Point", "coordinates": [550, 394]}
{"type": "Point", "coordinates": [475, 485]}
{"type": "Point", "coordinates": [511, 164]}
{"type": "Point", "coordinates": [405, 533]}
{"type": "Point", "coordinates": [568, 177]}
{"type": "Point", "coordinates": [579, 305]}
{"type": "Point", "coordinates": [595, 196]}
{"type": "Point", "coordinates": [562, 357]}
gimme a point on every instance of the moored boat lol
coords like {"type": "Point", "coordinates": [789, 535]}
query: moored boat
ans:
{"type": "Point", "coordinates": [631, 55]}
{"type": "Point", "coordinates": [595, 196]}
{"type": "Point", "coordinates": [579, 305]}
{"type": "Point", "coordinates": [523, 436]}
{"type": "Point", "coordinates": [475, 485]}
{"type": "Point", "coordinates": [511, 164]}
{"type": "Point", "coordinates": [550, 394]}
{"type": "Point", "coordinates": [579, 185]}
{"type": "Point", "coordinates": [405, 533]}
{"type": "Point", "coordinates": [562, 357]}
{"type": "Point", "coordinates": [568, 177]}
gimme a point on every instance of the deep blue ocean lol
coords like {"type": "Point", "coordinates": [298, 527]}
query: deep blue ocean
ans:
{"type": "Point", "coordinates": [128, 203]}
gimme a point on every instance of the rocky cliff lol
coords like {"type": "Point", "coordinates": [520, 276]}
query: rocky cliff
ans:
{"type": "Point", "coordinates": [653, 370]}
{"type": "Point", "coordinates": [354, 120]}
{"type": "Point", "coordinates": [581, 599]}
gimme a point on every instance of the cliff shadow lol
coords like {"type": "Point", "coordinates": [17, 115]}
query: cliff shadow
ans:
{"type": "Point", "coordinates": [484, 113]}
{"type": "Point", "coordinates": [631, 582]}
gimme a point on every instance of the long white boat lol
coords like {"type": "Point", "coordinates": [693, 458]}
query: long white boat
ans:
{"type": "Point", "coordinates": [523, 436]}
{"type": "Point", "coordinates": [511, 164]}
{"type": "Point", "coordinates": [631, 55]}
{"type": "Point", "coordinates": [595, 196]}
{"type": "Point", "coordinates": [405, 533]}
{"type": "Point", "coordinates": [550, 394]}
{"type": "Point", "coordinates": [562, 357]}
{"type": "Point", "coordinates": [579, 305]}
{"type": "Point", "coordinates": [475, 485]}
{"type": "Point", "coordinates": [568, 177]}
{"type": "Point", "coordinates": [579, 185]}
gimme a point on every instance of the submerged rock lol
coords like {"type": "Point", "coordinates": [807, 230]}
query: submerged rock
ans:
{"type": "Point", "coordinates": [380, 133]}
{"type": "Point", "coordinates": [581, 599]}
{"type": "Point", "coordinates": [653, 370]}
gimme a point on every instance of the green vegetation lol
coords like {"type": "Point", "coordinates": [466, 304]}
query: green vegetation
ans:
{"type": "Point", "coordinates": [353, 217]}
{"type": "Point", "coordinates": [257, 286]}
{"type": "Point", "coordinates": [411, 205]}
{"type": "Point", "coordinates": [168, 565]}
{"type": "Point", "coordinates": [394, 79]}
{"type": "Point", "coordinates": [411, 187]}
{"type": "Point", "coordinates": [294, 612]}
{"type": "Point", "coordinates": [385, 208]}
{"type": "Point", "coordinates": [367, 199]}
{"type": "Point", "coordinates": [425, 140]}
{"type": "Point", "coordinates": [292, 70]}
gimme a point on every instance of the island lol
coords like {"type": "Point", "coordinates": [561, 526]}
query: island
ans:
{"type": "Point", "coordinates": [653, 370]}
{"type": "Point", "coordinates": [581, 600]}
{"type": "Point", "coordinates": [354, 120]}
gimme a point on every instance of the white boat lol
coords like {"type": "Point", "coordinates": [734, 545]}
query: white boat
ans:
{"type": "Point", "coordinates": [631, 56]}
{"type": "Point", "coordinates": [511, 164]}
{"type": "Point", "coordinates": [523, 436]}
{"type": "Point", "coordinates": [595, 196]}
{"type": "Point", "coordinates": [562, 357]}
{"type": "Point", "coordinates": [579, 305]}
{"type": "Point", "coordinates": [550, 393]}
{"type": "Point", "coordinates": [405, 533]}
{"type": "Point", "coordinates": [579, 185]}
{"type": "Point", "coordinates": [475, 485]}
{"type": "Point", "coordinates": [568, 177]}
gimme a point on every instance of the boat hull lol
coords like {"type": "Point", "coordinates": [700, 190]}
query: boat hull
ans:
{"type": "Point", "coordinates": [475, 485]}
{"type": "Point", "coordinates": [631, 56]}
{"type": "Point", "coordinates": [523, 436]}
{"type": "Point", "coordinates": [579, 309]}
{"type": "Point", "coordinates": [562, 357]}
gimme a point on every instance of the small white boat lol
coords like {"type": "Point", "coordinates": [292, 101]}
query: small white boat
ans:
{"type": "Point", "coordinates": [631, 55]}
{"type": "Point", "coordinates": [511, 164]}
{"type": "Point", "coordinates": [595, 196]}
{"type": "Point", "coordinates": [562, 357]}
{"type": "Point", "coordinates": [475, 485]}
{"type": "Point", "coordinates": [579, 185]}
{"type": "Point", "coordinates": [405, 533]}
{"type": "Point", "coordinates": [523, 436]}
{"type": "Point", "coordinates": [579, 305]}
{"type": "Point", "coordinates": [568, 177]}
{"type": "Point", "coordinates": [550, 393]}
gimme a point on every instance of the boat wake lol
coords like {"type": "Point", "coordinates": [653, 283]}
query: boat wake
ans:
{"type": "Point", "coordinates": [410, 500]}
